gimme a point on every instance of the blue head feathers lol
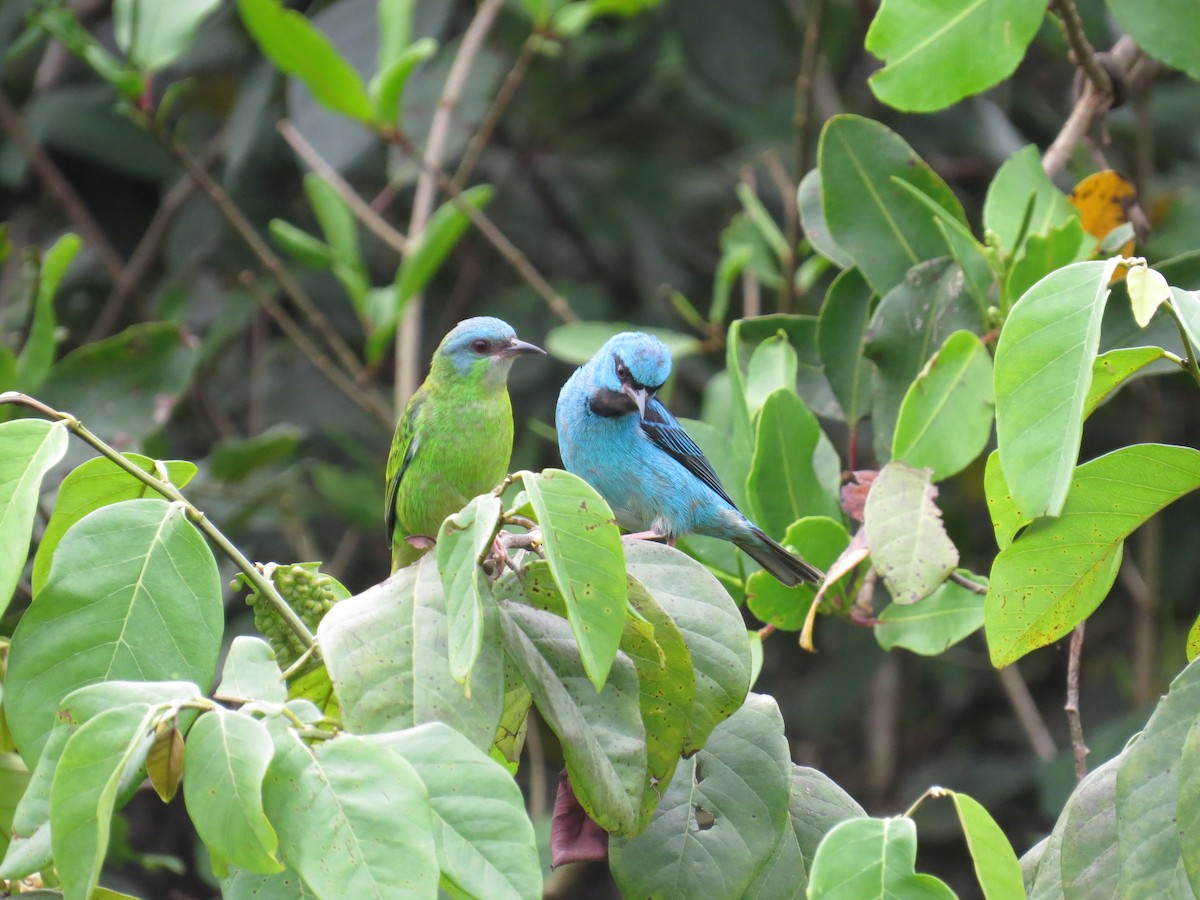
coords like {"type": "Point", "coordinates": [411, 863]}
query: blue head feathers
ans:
{"type": "Point", "coordinates": [626, 372]}
{"type": "Point", "coordinates": [483, 337]}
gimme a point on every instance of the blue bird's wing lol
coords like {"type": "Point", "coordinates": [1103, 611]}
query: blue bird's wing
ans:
{"type": "Point", "coordinates": [668, 435]}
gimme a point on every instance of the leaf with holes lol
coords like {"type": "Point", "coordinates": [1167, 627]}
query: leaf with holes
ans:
{"type": "Point", "coordinates": [903, 525]}
{"type": "Point", "coordinates": [722, 817]}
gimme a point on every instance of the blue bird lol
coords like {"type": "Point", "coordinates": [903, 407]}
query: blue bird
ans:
{"type": "Point", "coordinates": [614, 434]}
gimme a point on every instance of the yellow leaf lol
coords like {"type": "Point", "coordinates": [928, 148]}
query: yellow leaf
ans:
{"type": "Point", "coordinates": [164, 762]}
{"type": "Point", "coordinates": [1147, 290]}
{"type": "Point", "coordinates": [1103, 200]}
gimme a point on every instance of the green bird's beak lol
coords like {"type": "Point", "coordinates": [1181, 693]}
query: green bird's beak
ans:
{"type": "Point", "coordinates": [639, 395]}
{"type": "Point", "coordinates": [517, 347]}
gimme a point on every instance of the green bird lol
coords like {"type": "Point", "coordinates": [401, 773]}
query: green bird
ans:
{"type": "Point", "coordinates": [455, 437]}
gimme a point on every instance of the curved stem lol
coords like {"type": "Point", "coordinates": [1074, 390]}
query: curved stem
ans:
{"type": "Point", "coordinates": [253, 575]}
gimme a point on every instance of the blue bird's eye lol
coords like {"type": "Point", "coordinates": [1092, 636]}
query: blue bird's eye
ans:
{"type": "Point", "coordinates": [622, 372]}
{"type": "Point", "coordinates": [479, 346]}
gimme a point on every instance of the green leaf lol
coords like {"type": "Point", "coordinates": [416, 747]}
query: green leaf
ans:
{"type": "Point", "coordinates": [864, 859]}
{"type": "Point", "coordinates": [1187, 308]}
{"type": "Point", "coordinates": [106, 750]}
{"type": "Point", "coordinates": [387, 653]}
{"type": "Point", "coordinates": [1112, 370]}
{"type": "Point", "coordinates": [226, 759]}
{"type": "Point", "coordinates": [812, 219]}
{"type": "Point", "coordinates": [1042, 254]}
{"type": "Point", "coordinates": [996, 864]}
{"type": "Point", "coordinates": [297, 47]}
{"type": "Point", "coordinates": [386, 88]}
{"type": "Point", "coordinates": [577, 342]}
{"type": "Point", "coordinates": [784, 484]}
{"type": "Point", "coordinates": [30, 850]}
{"type": "Point", "coordinates": [761, 219]}
{"type": "Point", "coordinates": [97, 483]}
{"type": "Point", "coordinates": [353, 818]}
{"type": "Point", "coordinates": [33, 365]}
{"type": "Point", "coordinates": [911, 321]}
{"type": "Point", "coordinates": [583, 547]}
{"type": "Point", "coordinates": [931, 50]}
{"type": "Point", "coordinates": [903, 525]}
{"type": "Point", "coordinates": [971, 258]}
{"type": "Point", "coordinates": [946, 417]}
{"type": "Point", "coordinates": [1043, 370]}
{"type": "Point", "coordinates": [1167, 30]}
{"type": "Point", "coordinates": [429, 249]}
{"type": "Point", "coordinates": [64, 26]}
{"type": "Point", "coordinates": [133, 593]}
{"type": "Point", "coordinates": [29, 448]}
{"type": "Point", "coordinates": [819, 540]}
{"type": "Point", "coordinates": [711, 625]}
{"type": "Point", "coordinates": [1007, 520]}
{"type": "Point", "coordinates": [815, 805]}
{"type": "Point", "coordinates": [14, 779]}
{"type": "Point", "coordinates": [153, 34]}
{"type": "Point", "coordinates": [841, 335]}
{"type": "Point", "coordinates": [514, 720]}
{"type": "Point", "coordinates": [484, 839]}
{"type": "Point", "coordinates": [721, 818]}
{"type": "Point", "coordinates": [881, 226]}
{"type": "Point", "coordinates": [1053, 576]}
{"type": "Point", "coordinates": [340, 228]}
{"type": "Point", "coordinates": [395, 19]}
{"type": "Point", "coordinates": [1187, 812]}
{"type": "Point", "coordinates": [147, 368]}
{"type": "Point", "coordinates": [236, 459]}
{"type": "Point", "coordinates": [1090, 851]}
{"type": "Point", "coordinates": [285, 885]}
{"type": "Point", "coordinates": [1018, 179]}
{"type": "Point", "coordinates": [303, 247]}
{"type": "Point", "coordinates": [251, 673]}
{"type": "Point", "coordinates": [462, 542]}
{"type": "Point", "coordinates": [932, 625]}
{"type": "Point", "coordinates": [1148, 795]}
{"type": "Point", "coordinates": [773, 366]}
{"type": "Point", "coordinates": [602, 735]}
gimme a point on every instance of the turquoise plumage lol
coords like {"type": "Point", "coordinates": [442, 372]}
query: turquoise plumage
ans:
{"type": "Point", "coordinates": [617, 436]}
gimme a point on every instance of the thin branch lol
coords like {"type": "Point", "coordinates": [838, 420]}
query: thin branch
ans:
{"type": "Point", "coordinates": [375, 222]}
{"type": "Point", "coordinates": [168, 490]}
{"type": "Point", "coordinates": [751, 291]}
{"type": "Point", "coordinates": [1072, 705]}
{"type": "Point", "coordinates": [408, 339]}
{"type": "Point", "coordinates": [60, 188]}
{"type": "Point", "coordinates": [508, 90]}
{"type": "Point", "coordinates": [803, 120]}
{"type": "Point", "coordinates": [366, 399]}
{"type": "Point", "coordinates": [1081, 48]}
{"type": "Point", "coordinates": [494, 235]}
{"type": "Point", "coordinates": [1093, 103]}
{"type": "Point", "coordinates": [270, 261]}
{"type": "Point", "coordinates": [791, 226]}
{"type": "Point", "coordinates": [147, 249]}
{"type": "Point", "coordinates": [972, 586]}
{"type": "Point", "coordinates": [1027, 713]}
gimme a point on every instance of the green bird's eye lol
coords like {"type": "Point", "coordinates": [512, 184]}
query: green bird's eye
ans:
{"type": "Point", "coordinates": [479, 346]}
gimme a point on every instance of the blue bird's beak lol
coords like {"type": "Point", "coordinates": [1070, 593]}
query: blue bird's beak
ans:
{"type": "Point", "coordinates": [639, 395]}
{"type": "Point", "coordinates": [517, 346]}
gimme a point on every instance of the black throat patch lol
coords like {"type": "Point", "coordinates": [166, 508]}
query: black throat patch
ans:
{"type": "Point", "coordinates": [611, 404]}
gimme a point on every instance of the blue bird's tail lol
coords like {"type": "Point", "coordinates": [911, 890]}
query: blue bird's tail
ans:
{"type": "Point", "coordinates": [788, 569]}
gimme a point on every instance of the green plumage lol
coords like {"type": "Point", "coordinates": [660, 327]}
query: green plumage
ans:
{"type": "Point", "coordinates": [454, 439]}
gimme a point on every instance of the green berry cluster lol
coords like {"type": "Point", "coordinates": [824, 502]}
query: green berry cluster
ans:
{"type": "Point", "coordinates": [309, 592]}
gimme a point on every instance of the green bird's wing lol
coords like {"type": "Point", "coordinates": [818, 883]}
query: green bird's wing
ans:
{"type": "Point", "coordinates": [404, 447]}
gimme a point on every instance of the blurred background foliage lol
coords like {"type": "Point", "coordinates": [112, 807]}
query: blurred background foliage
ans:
{"type": "Point", "coordinates": [617, 170]}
